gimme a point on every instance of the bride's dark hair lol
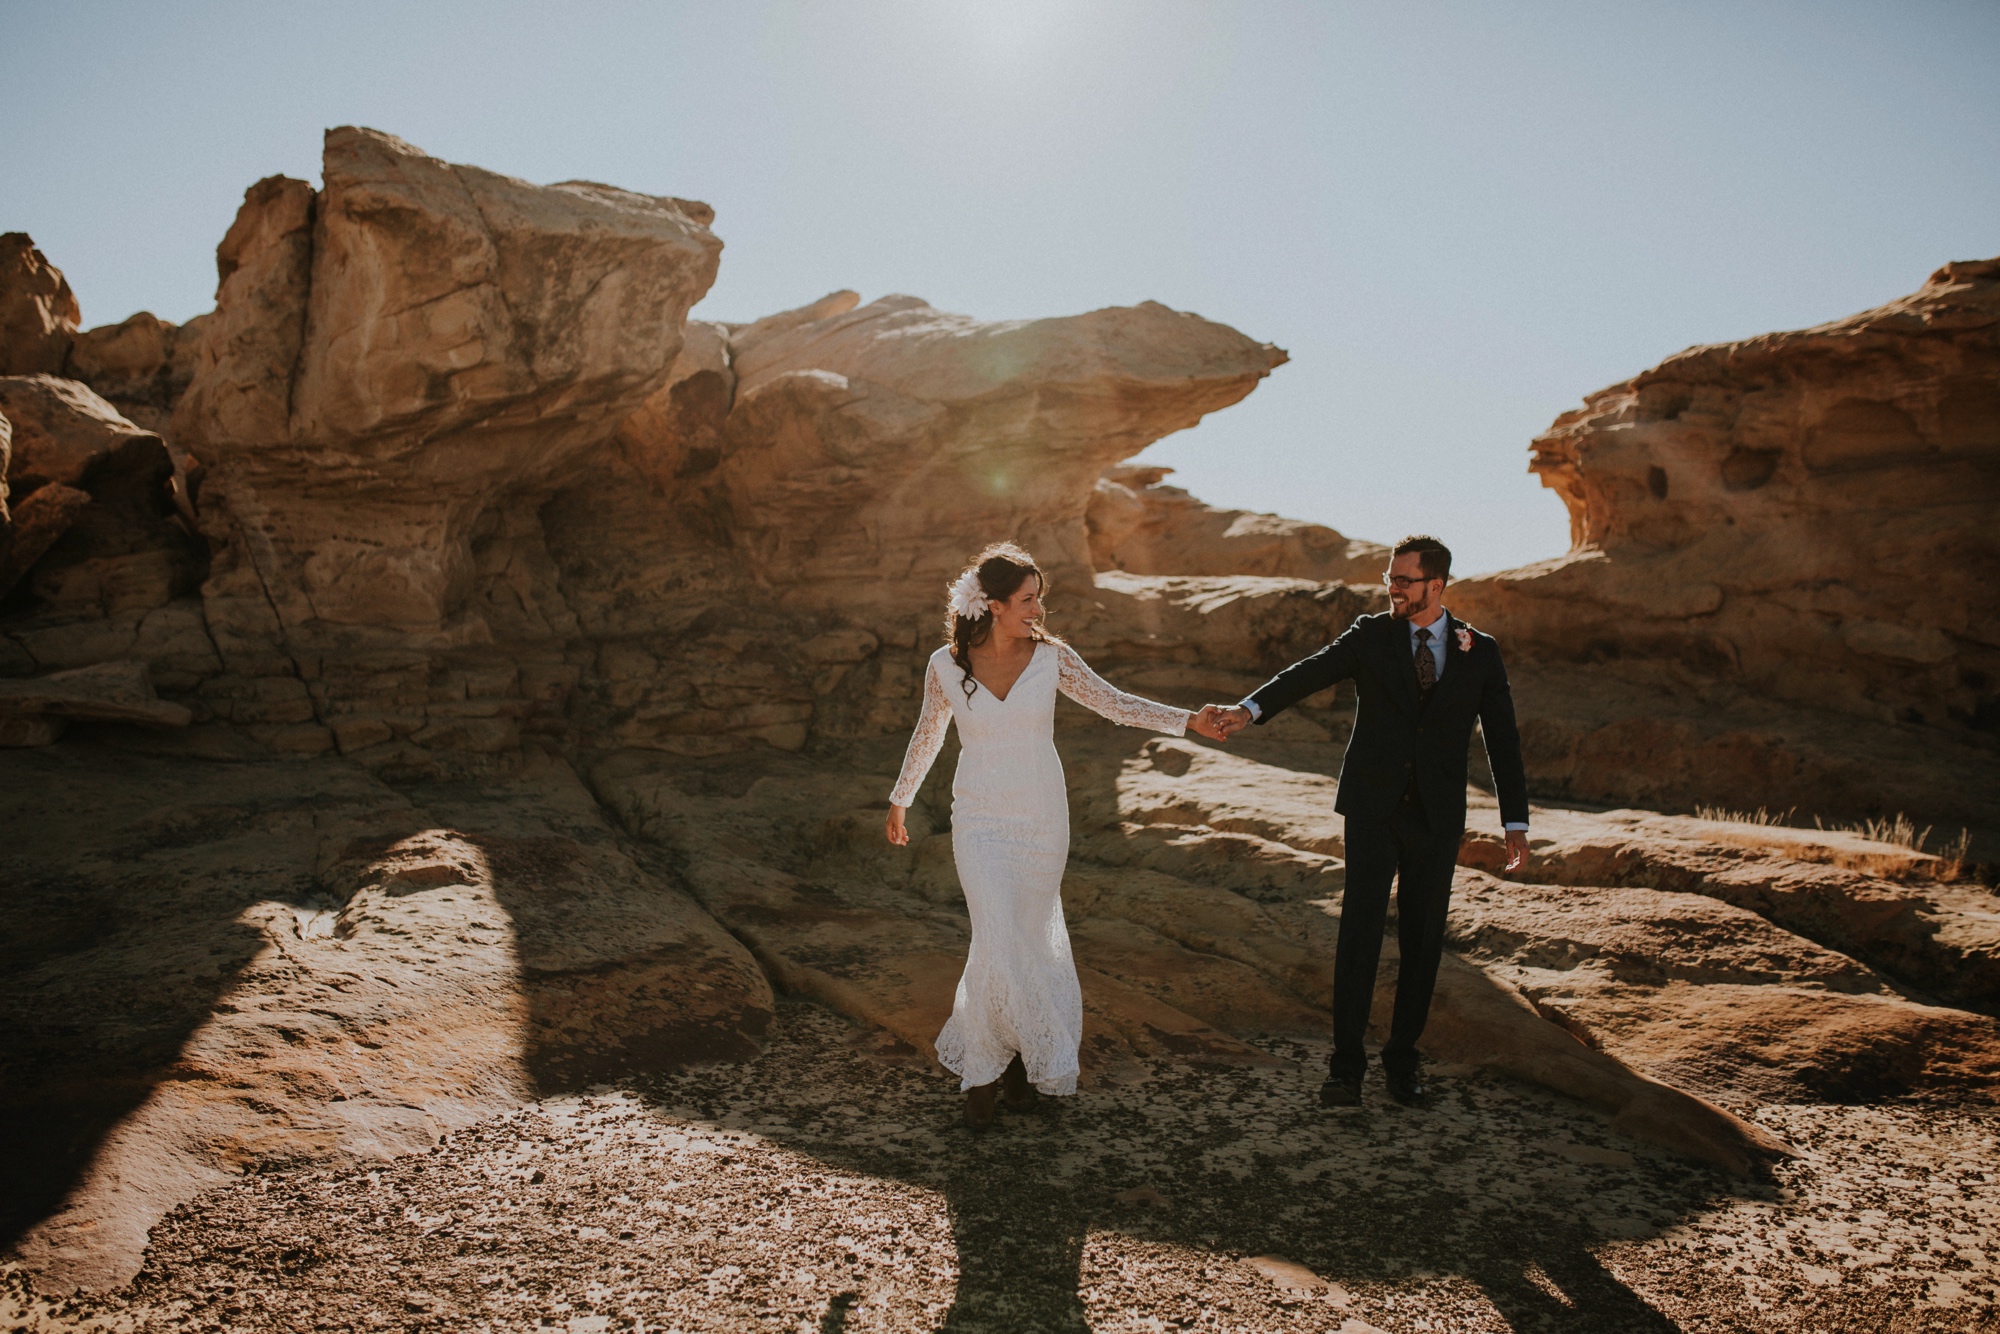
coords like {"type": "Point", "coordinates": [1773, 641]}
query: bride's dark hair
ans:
{"type": "Point", "coordinates": [1002, 568]}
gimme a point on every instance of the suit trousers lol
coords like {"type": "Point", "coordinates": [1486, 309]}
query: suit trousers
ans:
{"type": "Point", "coordinates": [1403, 848]}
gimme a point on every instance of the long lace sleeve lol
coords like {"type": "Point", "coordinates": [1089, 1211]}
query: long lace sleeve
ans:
{"type": "Point", "coordinates": [926, 741]}
{"type": "Point", "coordinates": [1075, 679]}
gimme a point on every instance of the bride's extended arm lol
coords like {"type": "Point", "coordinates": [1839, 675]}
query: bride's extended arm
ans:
{"type": "Point", "coordinates": [925, 743]}
{"type": "Point", "coordinates": [1098, 695]}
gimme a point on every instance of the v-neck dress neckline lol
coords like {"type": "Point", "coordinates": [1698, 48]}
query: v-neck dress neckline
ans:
{"type": "Point", "coordinates": [1033, 658]}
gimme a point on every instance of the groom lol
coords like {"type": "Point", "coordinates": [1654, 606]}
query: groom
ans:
{"type": "Point", "coordinates": [1423, 678]}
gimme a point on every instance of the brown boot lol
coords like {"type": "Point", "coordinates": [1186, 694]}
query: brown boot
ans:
{"type": "Point", "coordinates": [1015, 1091]}
{"type": "Point", "coordinates": [979, 1105]}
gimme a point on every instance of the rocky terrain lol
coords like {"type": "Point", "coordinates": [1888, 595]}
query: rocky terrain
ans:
{"type": "Point", "coordinates": [1800, 519]}
{"type": "Point", "coordinates": [449, 699]}
{"type": "Point", "coordinates": [822, 1187]}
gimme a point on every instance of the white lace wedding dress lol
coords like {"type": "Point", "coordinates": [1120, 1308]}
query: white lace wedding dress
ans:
{"type": "Point", "coordinates": [1010, 837]}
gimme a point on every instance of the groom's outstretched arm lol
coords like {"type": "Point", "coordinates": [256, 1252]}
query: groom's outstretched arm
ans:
{"type": "Point", "coordinates": [1503, 744]}
{"type": "Point", "coordinates": [1308, 676]}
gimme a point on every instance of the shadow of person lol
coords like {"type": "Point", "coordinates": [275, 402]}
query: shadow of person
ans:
{"type": "Point", "coordinates": [1250, 1169]}
{"type": "Point", "coordinates": [837, 1307]}
{"type": "Point", "coordinates": [1559, 1285]}
{"type": "Point", "coordinates": [1148, 1196]}
{"type": "Point", "coordinates": [1019, 1243]}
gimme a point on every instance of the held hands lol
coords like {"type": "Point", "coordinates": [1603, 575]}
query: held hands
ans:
{"type": "Point", "coordinates": [898, 835]}
{"type": "Point", "coordinates": [1219, 722]}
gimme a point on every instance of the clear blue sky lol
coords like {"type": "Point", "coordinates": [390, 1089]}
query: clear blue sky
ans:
{"type": "Point", "coordinates": [1458, 218]}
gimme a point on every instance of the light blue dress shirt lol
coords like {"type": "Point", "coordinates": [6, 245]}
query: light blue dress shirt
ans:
{"type": "Point", "coordinates": [1439, 629]}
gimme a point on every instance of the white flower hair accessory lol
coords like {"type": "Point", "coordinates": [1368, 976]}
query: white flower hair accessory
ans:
{"type": "Point", "coordinates": [968, 599]}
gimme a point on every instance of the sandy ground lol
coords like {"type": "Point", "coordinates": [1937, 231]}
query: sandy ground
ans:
{"type": "Point", "coordinates": [828, 1187]}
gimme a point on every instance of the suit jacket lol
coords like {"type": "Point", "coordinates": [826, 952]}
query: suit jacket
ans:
{"type": "Point", "coordinates": [1398, 738]}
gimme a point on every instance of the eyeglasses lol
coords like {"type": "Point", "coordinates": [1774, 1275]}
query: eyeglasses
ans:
{"type": "Point", "coordinates": [1405, 580]}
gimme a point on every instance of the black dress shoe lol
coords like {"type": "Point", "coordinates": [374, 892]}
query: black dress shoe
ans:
{"type": "Point", "coordinates": [1340, 1091]}
{"type": "Point", "coordinates": [980, 1103]}
{"type": "Point", "coordinates": [1016, 1093]}
{"type": "Point", "coordinates": [1407, 1089]}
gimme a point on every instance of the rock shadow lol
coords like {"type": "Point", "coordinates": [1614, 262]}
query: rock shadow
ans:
{"type": "Point", "coordinates": [123, 891]}
{"type": "Point", "coordinates": [210, 967]}
{"type": "Point", "coordinates": [82, 1047]}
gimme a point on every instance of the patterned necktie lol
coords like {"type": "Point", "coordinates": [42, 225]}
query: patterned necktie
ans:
{"type": "Point", "coordinates": [1427, 667]}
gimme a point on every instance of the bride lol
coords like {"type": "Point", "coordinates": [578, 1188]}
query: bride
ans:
{"type": "Point", "coordinates": [1017, 1017]}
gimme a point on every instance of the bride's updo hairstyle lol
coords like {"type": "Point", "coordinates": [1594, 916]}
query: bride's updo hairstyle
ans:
{"type": "Point", "coordinates": [1001, 569]}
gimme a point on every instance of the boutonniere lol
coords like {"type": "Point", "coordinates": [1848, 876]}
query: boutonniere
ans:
{"type": "Point", "coordinates": [1464, 640]}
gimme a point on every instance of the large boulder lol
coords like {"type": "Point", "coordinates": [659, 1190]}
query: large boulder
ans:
{"type": "Point", "coordinates": [101, 515]}
{"type": "Point", "coordinates": [1808, 516]}
{"type": "Point", "coordinates": [1654, 735]}
{"type": "Point", "coordinates": [35, 712]}
{"type": "Point", "coordinates": [1141, 525]}
{"type": "Point", "coordinates": [141, 365]}
{"type": "Point", "coordinates": [392, 357]}
{"type": "Point", "coordinates": [870, 451]}
{"type": "Point", "coordinates": [38, 312]}
{"type": "Point", "coordinates": [64, 432]}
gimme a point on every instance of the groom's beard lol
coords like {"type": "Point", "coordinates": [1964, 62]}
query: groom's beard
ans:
{"type": "Point", "coordinates": [1410, 607]}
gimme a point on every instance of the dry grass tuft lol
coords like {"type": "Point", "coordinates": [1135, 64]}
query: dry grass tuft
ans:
{"type": "Point", "coordinates": [1898, 830]}
{"type": "Point", "coordinates": [1758, 816]}
{"type": "Point", "coordinates": [1952, 857]}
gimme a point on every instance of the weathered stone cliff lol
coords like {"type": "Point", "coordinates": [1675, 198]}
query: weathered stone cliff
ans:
{"type": "Point", "coordinates": [393, 362]}
{"type": "Point", "coordinates": [1781, 591]}
{"type": "Point", "coordinates": [1143, 526]}
{"type": "Point", "coordinates": [38, 311]}
{"type": "Point", "coordinates": [1809, 515]}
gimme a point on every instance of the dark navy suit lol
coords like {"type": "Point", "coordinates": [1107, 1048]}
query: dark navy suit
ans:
{"type": "Point", "coordinates": [1402, 789]}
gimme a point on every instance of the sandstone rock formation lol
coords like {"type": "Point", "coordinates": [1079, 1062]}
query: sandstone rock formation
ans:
{"type": "Point", "coordinates": [872, 417]}
{"type": "Point", "coordinates": [812, 478]}
{"type": "Point", "coordinates": [35, 525]}
{"type": "Point", "coordinates": [141, 365]}
{"type": "Point", "coordinates": [351, 605]}
{"type": "Point", "coordinates": [840, 457]}
{"type": "Point", "coordinates": [38, 312]}
{"type": "Point", "coordinates": [63, 432]}
{"type": "Point", "coordinates": [100, 506]}
{"type": "Point", "coordinates": [1809, 515]}
{"type": "Point", "coordinates": [617, 620]}
{"type": "Point", "coordinates": [1140, 525]}
{"type": "Point", "coordinates": [393, 360]}
{"type": "Point", "coordinates": [33, 713]}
